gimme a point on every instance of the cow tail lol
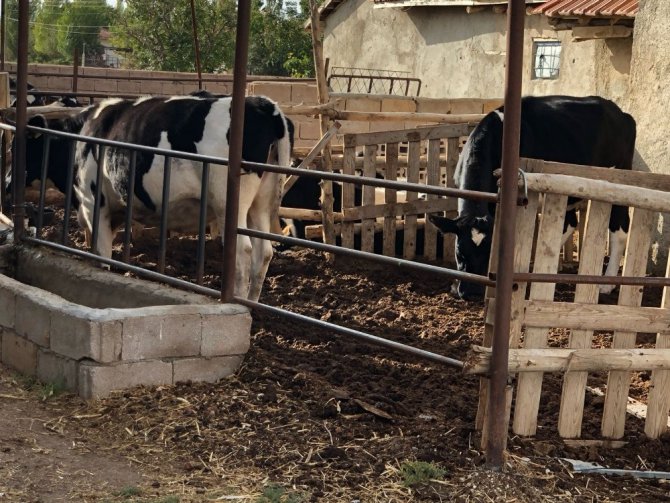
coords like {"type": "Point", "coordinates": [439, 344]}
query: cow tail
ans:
{"type": "Point", "coordinates": [285, 142]}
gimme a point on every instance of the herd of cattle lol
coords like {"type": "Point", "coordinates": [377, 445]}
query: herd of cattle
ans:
{"type": "Point", "coordinates": [590, 131]}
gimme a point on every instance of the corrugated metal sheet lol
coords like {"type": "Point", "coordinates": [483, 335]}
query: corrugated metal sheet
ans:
{"type": "Point", "coordinates": [590, 8]}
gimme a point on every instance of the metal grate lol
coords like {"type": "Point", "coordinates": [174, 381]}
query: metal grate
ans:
{"type": "Point", "coordinates": [369, 81]}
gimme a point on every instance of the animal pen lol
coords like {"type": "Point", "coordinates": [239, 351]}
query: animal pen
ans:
{"type": "Point", "coordinates": [530, 318]}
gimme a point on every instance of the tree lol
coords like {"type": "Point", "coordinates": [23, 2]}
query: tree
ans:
{"type": "Point", "coordinates": [160, 35]}
{"type": "Point", "coordinates": [12, 29]}
{"type": "Point", "coordinates": [279, 45]}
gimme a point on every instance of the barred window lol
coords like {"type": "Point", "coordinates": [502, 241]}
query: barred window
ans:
{"type": "Point", "coordinates": [546, 59]}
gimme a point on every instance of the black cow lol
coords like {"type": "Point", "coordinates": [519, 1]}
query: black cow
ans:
{"type": "Point", "coordinates": [590, 131]}
{"type": "Point", "coordinates": [188, 124]}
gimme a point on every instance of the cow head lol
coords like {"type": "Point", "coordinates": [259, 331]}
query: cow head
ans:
{"type": "Point", "coordinates": [473, 249]}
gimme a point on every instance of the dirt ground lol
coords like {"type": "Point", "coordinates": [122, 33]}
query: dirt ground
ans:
{"type": "Point", "coordinates": [312, 416]}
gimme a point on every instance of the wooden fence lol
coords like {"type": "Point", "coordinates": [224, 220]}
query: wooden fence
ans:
{"type": "Point", "coordinates": [535, 312]}
{"type": "Point", "coordinates": [424, 155]}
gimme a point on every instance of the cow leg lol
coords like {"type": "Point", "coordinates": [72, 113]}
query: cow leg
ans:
{"type": "Point", "coordinates": [262, 213]}
{"type": "Point", "coordinates": [619, 224]}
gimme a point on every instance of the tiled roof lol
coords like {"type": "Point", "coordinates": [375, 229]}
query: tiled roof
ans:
{"type": "Point", "coordinates": [589, 8]}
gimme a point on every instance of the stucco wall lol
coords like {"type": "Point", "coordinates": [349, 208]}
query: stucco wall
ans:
{"type": "Point", "coordinates": [461, 55]}
{"type": "Point", "coordinates": [650, 101]}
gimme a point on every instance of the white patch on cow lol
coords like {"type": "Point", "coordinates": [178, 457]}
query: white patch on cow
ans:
{"type": "Point", "coordinates": [500, 114]}
{"type": "Point", "coordinates": [104, 104]}
{"type": "Point", "coordinates": [175, 98]}
{"type": "Point", "coordinates": [477, 236]}
{"type": "Point", "coordinates": [141, 99]}
{"type": "Point", "coordinates": [458, 174]}
{"type": "Point", "coordinates": [567, 234]}
{"type": "Point", "coordinates": [30, 99]}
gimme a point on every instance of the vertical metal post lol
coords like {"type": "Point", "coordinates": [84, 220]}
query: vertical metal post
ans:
{"type": "Point", "coordinates": [235, 156]}
{"type": "Point", "coordinates": [75, 68]}
{"type": "Point", "coordinates": [129, 206]}
{"type": "Point", "coordinates": [19, 174]}
{"type": "Point", "coordinates": [3, 16]}
{"type": "Point", "coordinates": [165, 209]}
{"type": "Point", "coordinates": [43, 183]}
{"type": "Point", "coordinates": [204, 193]}
{"type": "Point", "coordinates": [196, 43]}
{"type": "Point", "coordinates": [496, 417]}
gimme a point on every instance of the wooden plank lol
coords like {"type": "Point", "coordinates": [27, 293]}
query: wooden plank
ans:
{"type": "Point", "coordinates": [529, 386]}
{"type": "Point", "coordinates": [621, 176]}
{"type": "Point", "coordinates": [406, 135]}
{"type": "Point", "coordinates": [599, 190]}
{"type": "Point", "coordinates": [452, 161]}
{"type": "Point", "coordinates": [416, 207]}
{"type": "Point", "coordinates": [592, 255]}
{"type": "Point", "coordinates": [432, 178]}
{"type": "Point", "coordinates": [614, 413]}
{"type": "Point", "coordinates": [348, 193]}
{"type": "Point", "coordinates": [584, 316]}
{"type": "Point", "coordinates": [390, 197]}
{"type": "Point", "coordinates": [658, 399]}
{"type": "Point", "coordinates": [368, 227]}
{"type": "Point", "coordinates": [478, 360]}
{"type": "Point", "coordinates": [409, 244]}
{"type": "Point", "coordinates": [524, 227]}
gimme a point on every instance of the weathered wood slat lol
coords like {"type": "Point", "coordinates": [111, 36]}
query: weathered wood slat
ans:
{"type": "Point", "coordinates": [368, 230]}
{"type": "Point", "coordinates": [529, 386]}
{"type": "Point", "coordinates": [348, 200]}
{"type": "Point", "coordinates": [390, 197]}
{"type": "Point", "coordinates": [452, 161]}
{"type": "Point", "coordinates": [409, 245]}
{"type": "Point", "coordinates": [416, 207]}
{"type": "Point", "coordinates": [592, 256]}
{"type": "Point", "coordinates": [658, 399]}
{"type": "Point", "coordinates": [524, 360]}
{"type": "Point", "coordinates": [635, 264]}
{"type": "Point", "coordinates": [626, 177]}
{"type": "Point", "coordinates": [432, 178]}
{"type": "Point", "coordinates": [406, 135]}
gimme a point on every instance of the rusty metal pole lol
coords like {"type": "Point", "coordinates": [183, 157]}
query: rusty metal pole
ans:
{"type": "Point", "coordinates": [197, 45]}
{"type": "Point", "coordinates": [235, 155]}
{"type": "Point", "coordinates": [496, 416]}
{"type": "Point", "coordinates": [19, 174]}
{"type": "Point", "coordinates": [3, 16]}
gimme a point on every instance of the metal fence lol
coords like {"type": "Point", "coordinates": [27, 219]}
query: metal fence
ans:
{"type": "Point", "coordinates": [208, 163]}
{"type": "Point", "coordinates": [371, 81]}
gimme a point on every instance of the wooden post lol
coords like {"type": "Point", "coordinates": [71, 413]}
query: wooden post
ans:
{"type": "Point", "coordinates": [413, 161]}
{"type": "Point", "coordinates": [322, 88]}
{"type": "Point", "coordinates": [450, 170]}
{"type": "Point", "coordinates": [390, 197]}
{"type": "Point", "coordinates": [529, 386]}
{"type": "Point", "coordinates": [5, 99]}
{"type": "Point", "coordinates": [635, 264]}
{"type": "Point", "coordinates": [368, 224]}
{"type": "Point", "coordinates": [432, 178]}
{"type": "Point", "coordinates": [592, 253]}
{"type": "Point", "coordinates": [348, 194]}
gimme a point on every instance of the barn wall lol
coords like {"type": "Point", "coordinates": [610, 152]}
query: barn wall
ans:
{"type": "Point", "coordinates": [461, 55]}
{"type": "Point", "coordinates": [650, 101]}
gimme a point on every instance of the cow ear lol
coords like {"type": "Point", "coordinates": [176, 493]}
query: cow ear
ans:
{"type": "Point", "coordinates": [38, 121]}
{"type": "Point", "coordinates": [444, 225]}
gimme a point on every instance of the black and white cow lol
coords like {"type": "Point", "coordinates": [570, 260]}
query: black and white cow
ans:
{"type": "Point", "coordinates": [590, 131]}
{"type": "Point", "coordinates": [187, 124]}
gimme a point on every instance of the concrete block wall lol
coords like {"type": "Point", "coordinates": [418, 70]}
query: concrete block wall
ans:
{"type": "Point", "coordinates": [93, 351]}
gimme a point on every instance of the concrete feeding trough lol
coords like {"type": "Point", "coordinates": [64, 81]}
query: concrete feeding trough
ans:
{"type": "Point", "coordinates": [93, 331]}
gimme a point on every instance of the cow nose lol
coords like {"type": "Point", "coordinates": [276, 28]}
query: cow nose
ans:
{"type": "Point", "coordinates": [471, 293]}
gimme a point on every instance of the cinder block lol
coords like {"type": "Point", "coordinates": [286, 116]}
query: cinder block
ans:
{"type": "Point", "coordinates": [33, 315]}
{"type": "Point", "coordinates": [105, 85]}
{"type": "Point", "coordinates": [150, 87]}
{"type": "Point", "coordinates": [129, 86]}
{"type": "Point", "coordinates": [310, 131]}
{"type": "Point", "coordinates": [7, 307]}
{"type": "Point", "coordinates": [466, 106]}
{"type": "Point", "coordinates": [304, 93]}
{"type": "Point", "coordinates": [59, 84]}
{"type": "Point", "coordinates": [225, 335]}
{"type": "Point", "coordinates": [370, 104]}
{"type": "Point", "coordinates": [172, 88]}
{"type": "Point", "coordinates": [205, 369]}
{"type": "Point", "coordinates": [352, 127]}
{"type": "Point", "coordinates": [77, 337]}
{"type": "Point", "coordinates": [398, 105]}
{"type": "Point", "coordinates": [386, 126]}
{"type": "Point", "coordinates": [52, 368]}
{"type": "Point", "coordinates": [161, 335]}
{"type": "Point", "coordinates": [430, 105]}
{"type": "Point", "coordinates": [97, 381]}
{"type": "Point", "coordinates": [93, 71]}
{"type": "Point", "coordinates": [277, 91]}
{"type": "Point", "coordinates": [85, 85]}
{"type": "Point", "coordinates": [19, 353]}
